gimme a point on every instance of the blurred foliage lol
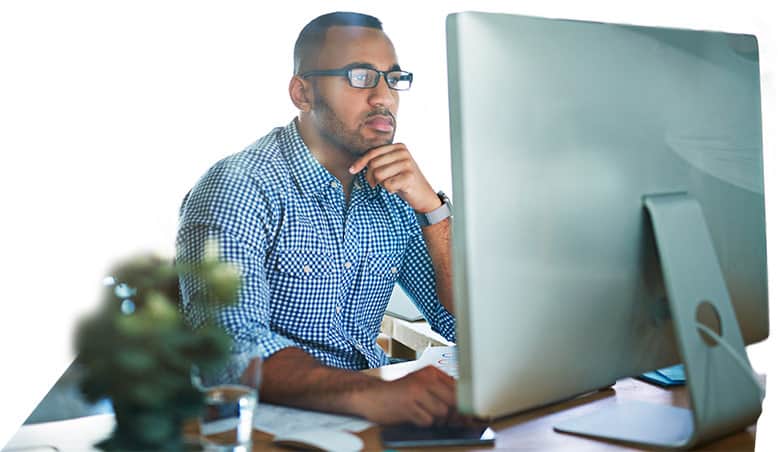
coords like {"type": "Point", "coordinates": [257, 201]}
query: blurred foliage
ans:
{"type": "Point", "coordinates": [138, 349]}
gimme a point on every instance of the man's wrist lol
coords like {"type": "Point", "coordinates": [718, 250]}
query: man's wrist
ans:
{"type": "Point", "coordinates": [438, 214]}
{"type": "Point", "coordinates": [433, 203]}
{"type": "Point", "coordinates": [359, 401]}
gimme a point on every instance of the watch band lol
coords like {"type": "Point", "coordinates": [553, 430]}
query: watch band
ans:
{"type": "Point", "coordinates": [437, 215]}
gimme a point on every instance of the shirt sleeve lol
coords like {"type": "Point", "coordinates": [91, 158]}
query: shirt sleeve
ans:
{"type": "Point", "coordinates": [230, 208]}
{"type": "Point", "coordinates": [417, 279]}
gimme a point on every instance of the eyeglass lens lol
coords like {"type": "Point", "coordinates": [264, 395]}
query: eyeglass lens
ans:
{"type": "Point", "coordinates": [369, 78]}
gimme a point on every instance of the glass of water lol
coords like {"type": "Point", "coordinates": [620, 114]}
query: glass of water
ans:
{"type": "Point", "coordinates": [231, 394]}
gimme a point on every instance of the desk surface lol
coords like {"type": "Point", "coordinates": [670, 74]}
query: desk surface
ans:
{"type": "Point", "coordinates": [523, 432]}
{"type": "Point", "coordinates": [534, 431]}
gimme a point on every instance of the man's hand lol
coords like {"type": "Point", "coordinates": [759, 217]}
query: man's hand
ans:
{"type": "Point", "coordinates": [293, 377]}
{"type": "Point", "coordinates": [424, 397]}
{"type": "Point", "coordinates": [393, 167]}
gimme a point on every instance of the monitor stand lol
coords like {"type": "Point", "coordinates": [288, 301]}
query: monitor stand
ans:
{"type": "Point", "coordinates": [723, 395]}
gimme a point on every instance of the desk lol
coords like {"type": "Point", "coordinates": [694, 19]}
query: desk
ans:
{"type": "Point", "coordinates": [532, 431]}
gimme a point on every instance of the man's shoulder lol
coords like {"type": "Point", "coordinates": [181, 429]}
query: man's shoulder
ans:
{"type": "Point", "coordinates": [261, 160]}
{"type": "Point", "coordinates": [260, 164]}
{"type": "Point", "coordinates": [254, 174]}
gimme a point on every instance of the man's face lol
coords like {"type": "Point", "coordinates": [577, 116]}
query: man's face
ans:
{"type": "Point", "coordinates": [355, 119]}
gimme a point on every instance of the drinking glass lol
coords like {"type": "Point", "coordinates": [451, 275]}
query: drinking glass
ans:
{"type": "Point", "coordinates": [231, 394]}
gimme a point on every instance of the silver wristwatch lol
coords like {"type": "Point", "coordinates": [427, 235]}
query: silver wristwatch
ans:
{"type": "Point", "coordinates": [437, 215]}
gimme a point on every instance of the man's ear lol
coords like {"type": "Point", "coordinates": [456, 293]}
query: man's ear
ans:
{"type": "Point", "coordinates": [299, 92]}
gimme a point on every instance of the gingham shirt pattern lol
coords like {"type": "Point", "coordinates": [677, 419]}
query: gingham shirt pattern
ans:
{"type": "Point", "coordinates": [317, 274]}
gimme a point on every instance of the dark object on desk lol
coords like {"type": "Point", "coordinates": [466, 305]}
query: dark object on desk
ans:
{"type": "Point", "coordinates": [667, 377]}
{"type": "Point", "coordinates": [406, 435]}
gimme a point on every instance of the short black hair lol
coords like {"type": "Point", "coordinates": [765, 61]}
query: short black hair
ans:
{"type": "Point", "coordinates": [311, 37]}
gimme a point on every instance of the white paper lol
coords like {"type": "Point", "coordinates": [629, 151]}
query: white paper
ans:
{"type": "Point", "coordinates": [444, 358]}
{"type": "Point", "coordinates": [281, 420]}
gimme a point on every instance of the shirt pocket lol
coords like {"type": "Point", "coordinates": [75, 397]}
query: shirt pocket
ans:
{"type": "Point", "coordinates": [305, 264]}
{"type": "Point", "coordinates": [302, 237]}
{"type": "Point", "coordinates": [303, 295]}
{"type": "Point", "coordinates": [384, 267]}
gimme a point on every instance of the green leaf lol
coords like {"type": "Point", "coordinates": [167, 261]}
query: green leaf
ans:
{"type": "Point", "coordinates": [147, 394]}
{"type": "Point", "coordinates": [132, 325]}
{"type": "Point", "coordinates": [135, 361]}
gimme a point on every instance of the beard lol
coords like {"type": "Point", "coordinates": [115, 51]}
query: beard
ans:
{"type": "Point", "coordinates": [337, 133]}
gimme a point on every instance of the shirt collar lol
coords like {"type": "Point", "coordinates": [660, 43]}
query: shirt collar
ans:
{"type": "Point", "coordinates": [361, 185]}
{"type": "Point", "coordinates": [310, 175]}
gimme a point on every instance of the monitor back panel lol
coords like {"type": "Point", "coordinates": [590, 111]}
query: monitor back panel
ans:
{"type": "Point", "coordinates": [558, 128]}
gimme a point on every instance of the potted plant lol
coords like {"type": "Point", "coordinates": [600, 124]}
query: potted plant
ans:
{"type": "Point", "coordinates": [138, 350]}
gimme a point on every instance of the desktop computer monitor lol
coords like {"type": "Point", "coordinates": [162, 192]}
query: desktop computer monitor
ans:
{"type": "Point", "coordinates": [608, 193]}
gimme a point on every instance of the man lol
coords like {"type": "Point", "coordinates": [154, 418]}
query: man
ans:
{"type": "Point", "coordinates": [322, 217]}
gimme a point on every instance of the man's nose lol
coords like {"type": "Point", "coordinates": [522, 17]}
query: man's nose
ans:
{"type": "Point", "coordinates": [382, 95]}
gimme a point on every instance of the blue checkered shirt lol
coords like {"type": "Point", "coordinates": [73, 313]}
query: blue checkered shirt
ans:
{"type": "Point", "coordinates": [317, 273]}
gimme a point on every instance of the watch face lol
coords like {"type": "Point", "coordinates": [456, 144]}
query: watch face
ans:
{"type": "Point", "coordinates": [443, 198]}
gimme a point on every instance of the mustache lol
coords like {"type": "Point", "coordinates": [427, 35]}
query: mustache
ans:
{"type": "Point", "coordinates": [381, 112]}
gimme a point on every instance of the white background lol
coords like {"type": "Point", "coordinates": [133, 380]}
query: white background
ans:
{"type": "Point", "coordinates": [109, 112]}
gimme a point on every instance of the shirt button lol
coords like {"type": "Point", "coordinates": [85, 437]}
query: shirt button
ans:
{"type": "Point", "coordinates": [307, 269]}
{"type": "Point", "coordinates": [357, 185]}
{"type": "Point", "coordinates": [359, 347]}
{"type": "Point", "coordinates": [393, 270]}
{"type": "Point", "coordinates": [334, 184]}
{"type": "Point", "coordinates": [347, 265]}
{"type": "Point", "coordinates": [338, 309]}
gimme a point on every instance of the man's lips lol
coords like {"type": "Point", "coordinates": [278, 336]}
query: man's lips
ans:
{"type": "Point", "coordinates": [380, 123]}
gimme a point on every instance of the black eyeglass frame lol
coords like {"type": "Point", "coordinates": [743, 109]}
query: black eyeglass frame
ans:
{"type": "Point", "coordinates": [346, 72]}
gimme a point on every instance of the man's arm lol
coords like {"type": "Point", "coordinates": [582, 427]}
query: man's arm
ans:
{"type": "Point", "coordinates": [438, 239]}
{"type": "Point", "coordinates": [292, 377]}
{"type": "Point", "coordinates": [393, 167]}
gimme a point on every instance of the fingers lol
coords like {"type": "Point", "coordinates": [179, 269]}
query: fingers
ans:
{"type": "Point", "coordinates": [443, 386]}
{"type": "Point", "coordinates": [373, 153]}
{"type": "Point", "coordinates": [444, 393]}
{"type": "Point", "coordinates": [433, 404]}
{"type": "Point", "coordinates": [394, 179]}
{"type": "Point", "coordinates": [437, 397]}
{"type": "Point", "coordinates": [423, 397]}
{"type": "Point", "coordinates": [388, 166]}
{"type": "Point", "coordinates": [421, 416]}
{"type": "Point", "coordinates": [393, 167]}
{"type": "Point", "coordinates": [394, 171]}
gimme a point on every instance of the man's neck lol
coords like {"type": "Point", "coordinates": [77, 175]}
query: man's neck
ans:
{"type": "Point", "coordinates": [333, 159]}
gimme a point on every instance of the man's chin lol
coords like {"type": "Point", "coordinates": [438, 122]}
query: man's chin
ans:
{"type": "Point", "coordinates": [364, 150]}
{"type": "Point", "coordinates": [367, 144]}
{"type": "Point", "coordinates": [378, 142]}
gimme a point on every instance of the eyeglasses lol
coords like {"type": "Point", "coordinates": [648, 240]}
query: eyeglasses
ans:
{"type": "Point", "coordinates": [366, 78]}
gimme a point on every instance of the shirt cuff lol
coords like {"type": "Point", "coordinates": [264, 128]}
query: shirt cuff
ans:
{"type": "Point", "coordinates": [262, 345]}
{"type": "Point", "coordinates": [271, 343]}
{"type": "Point", "coordinates": [445, 324]}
